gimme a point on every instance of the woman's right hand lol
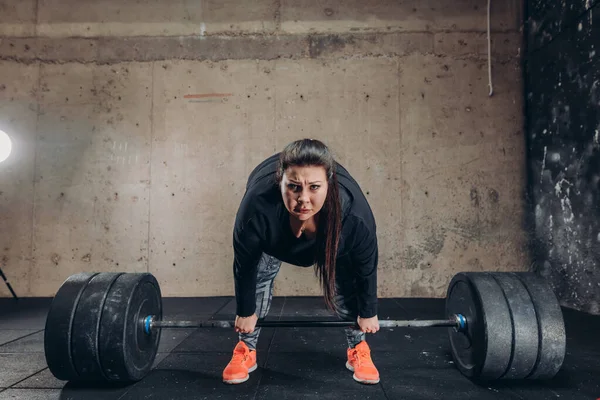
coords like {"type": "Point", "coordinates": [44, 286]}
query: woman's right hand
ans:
{"type": "Point", "coordinates": [245, 324]}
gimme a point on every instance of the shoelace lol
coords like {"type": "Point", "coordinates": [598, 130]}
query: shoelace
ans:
{"type": "Point", "coordinates": [361, 357]}
{"type": "Point", "coordinates": [239, 357]}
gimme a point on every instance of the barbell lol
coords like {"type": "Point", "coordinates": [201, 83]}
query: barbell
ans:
{"type": "Point", "coordinates": [501, 325]}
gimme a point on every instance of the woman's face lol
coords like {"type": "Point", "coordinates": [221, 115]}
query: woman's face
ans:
{"type": "Point", "coordinates": [304, 190]}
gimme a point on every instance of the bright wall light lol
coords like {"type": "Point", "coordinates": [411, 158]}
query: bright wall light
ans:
{"type": "Point", "coordinates": [5, 146]}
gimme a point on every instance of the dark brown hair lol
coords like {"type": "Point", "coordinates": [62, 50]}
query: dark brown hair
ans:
{"type": "Point", "coordinates": [311, 152]}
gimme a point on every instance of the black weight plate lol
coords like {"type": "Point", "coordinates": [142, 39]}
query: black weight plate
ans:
{"type": "Point", "coordinates": [86, 327]}
{"type": "Point", "coordinates": [461, 299]}
{"type": "Point", "coordinates": [524, 323]}
{"type": "Point", "coordinates": [478, 297]}
{"type": "Point", "coordinates": [127, 352]}
{"type": "Point", "coordinates": [59, 321]}
{"type": "Point", "coordinates": [550, 321]}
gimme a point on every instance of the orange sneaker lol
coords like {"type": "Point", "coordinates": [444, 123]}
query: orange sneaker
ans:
{"type": "Point", "coordinates": [359, 361]}
{"type": "Point", "coordinates": [242, 363]}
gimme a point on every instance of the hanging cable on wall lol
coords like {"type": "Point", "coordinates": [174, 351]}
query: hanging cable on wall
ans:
{"type": "Point", "coordinates": [489, 48]}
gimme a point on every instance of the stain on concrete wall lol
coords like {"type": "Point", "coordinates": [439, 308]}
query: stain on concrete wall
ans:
{"type": "Point", "coordinates": [563, 118]}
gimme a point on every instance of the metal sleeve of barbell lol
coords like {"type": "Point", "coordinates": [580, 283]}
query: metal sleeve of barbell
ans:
{"type": "Point", "coordinates": [302, 324]}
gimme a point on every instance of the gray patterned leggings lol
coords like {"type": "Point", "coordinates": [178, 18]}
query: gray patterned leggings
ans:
{"type": "Point", "coordinates": [268, 267]}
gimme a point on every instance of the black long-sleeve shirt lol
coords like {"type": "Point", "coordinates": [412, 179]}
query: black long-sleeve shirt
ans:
{"type": "Point", "coordinates": [262, 225]}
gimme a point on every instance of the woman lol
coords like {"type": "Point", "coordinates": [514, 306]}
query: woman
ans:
{"type": "Point", "coordinates": [303, 208]}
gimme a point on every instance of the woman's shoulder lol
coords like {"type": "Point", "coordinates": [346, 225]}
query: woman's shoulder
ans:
{"type": "Point", "coordinates": [264, 172]}
{"type": "Point", "coordinates": [353, 199]}
{"type": "Point", "coordinates": [261, 199]}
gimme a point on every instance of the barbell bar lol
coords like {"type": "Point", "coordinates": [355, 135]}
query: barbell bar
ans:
{"type": "Point", "coordinates": [500, 325]}
{"type": "Point", "coordinates": [151, 323]}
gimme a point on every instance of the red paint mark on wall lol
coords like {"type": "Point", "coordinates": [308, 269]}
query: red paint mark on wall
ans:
{"type": "Point", "coordinates": [205, 95]}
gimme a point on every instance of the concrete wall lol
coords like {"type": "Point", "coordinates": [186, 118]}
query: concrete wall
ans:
{"type": "Point", "coordinates": [135, 126]}
{"type": "Point", "coordinates": [563, 119]}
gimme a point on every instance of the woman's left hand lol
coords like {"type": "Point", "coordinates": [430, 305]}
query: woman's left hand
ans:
{"type": "Point", "coordinates": [368, 325]}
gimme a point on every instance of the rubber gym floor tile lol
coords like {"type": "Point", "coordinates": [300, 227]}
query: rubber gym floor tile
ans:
{"type": "Point", "coordinates": [277, 393]}
{"type": "Point", "coordinates": [41, 380]}
{"type": "Point", "coordinates": [424, 390]}
{"type": "Point", "coordinates": [408, 339]}
{"type": "Point", "coordinates": [225, 339]}
{"type": "Point", "coordinates": [33, 343]}
{"type": "Point", "coordinates": [405, 381]}
{"type": "Point", "coordinates": [171, 338]}
{"type": "Point", "coordinates": [422, 308]}
{"type": "Point", "coordinates": [215, 362]}
{"type": "Point", "coordinates": [9, 305]}
{"type": "Point", "coordinates": [333, 339]}
{"type": "Point", "coordinates": [312, 375]}
{"type": "Point", "coordinates": [434, 360]}
{"type": "Point", "coordinates": [577, 379]}
{"type": "Point", "coordinates": [68, 392]}
{"type": "Point", "coordinates": [219, 340]}
{"type": "Point", "coordinates": [390, 309]}
{"type": "Point", "coordinates": [314, 307]}
{"type": "Point", "coordinates": [228, 312]}
{"type": "Point", "coordinates": [186, 308]}
{"type": "Point", "coordinates": [305, 307]}
{"type": "Point", "coordinates": [33, 394]}
{"type": "Point", "coordinates": [434, 374]}
{"type": "Point", "coordinates": [317, 340]}
{"type": "Point", "coordinates": [159, 358]}
{"type": "Point", "coordinates": [193, 376]}
{"type": "Point", "coordinates": [17, 367]}
{"type": "Point", "coordinates": [8, 335]}
{"type": "Point", "coordinates": [45, 379]}
{"type": "Point", "coordinates": [24, 319]}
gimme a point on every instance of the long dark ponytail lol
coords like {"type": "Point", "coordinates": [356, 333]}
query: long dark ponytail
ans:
{"type": "Point", "coordinates": [311, 152]}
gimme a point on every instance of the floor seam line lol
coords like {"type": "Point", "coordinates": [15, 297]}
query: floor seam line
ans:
{"type": "Point", "coordinates": [221, 308]}
{"type": "Point", "coordinates": [19, 338]}
{"type": "Point", "coordinates": [24, 379]}
{"type": "Point", "coordinates": [269, 349]}
{"type": "Point", "coordinates": [384, 392]}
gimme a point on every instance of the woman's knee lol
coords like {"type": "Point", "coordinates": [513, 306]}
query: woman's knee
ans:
{"type": "Point", "coordinates": [268, 268]}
